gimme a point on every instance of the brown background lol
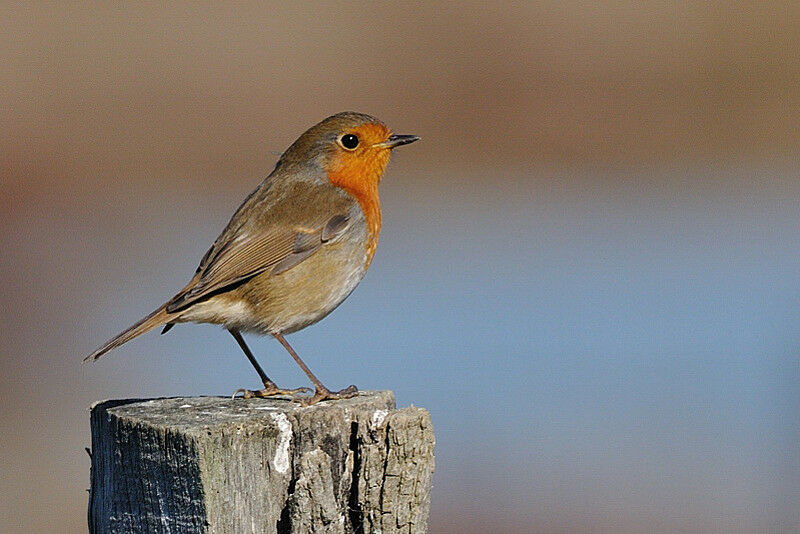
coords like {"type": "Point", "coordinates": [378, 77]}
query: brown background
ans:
{"type": "Point", "coordinates": [128, 133]}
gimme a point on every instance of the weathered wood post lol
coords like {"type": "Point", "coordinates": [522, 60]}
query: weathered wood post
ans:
{"type": "Point", "coordinates": [212, 464]}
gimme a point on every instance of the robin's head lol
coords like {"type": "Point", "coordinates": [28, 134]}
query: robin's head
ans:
{"type": "Point", "coordinates": [352, 148]}
{"type": "Point", "coordinates": [349, 150]}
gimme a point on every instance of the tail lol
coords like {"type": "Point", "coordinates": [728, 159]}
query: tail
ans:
{"type": "Point", "coordinates": [154, 320]}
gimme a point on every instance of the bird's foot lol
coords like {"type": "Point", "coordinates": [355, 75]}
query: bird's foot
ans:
{"type": "Point", "coordinates": [323, 393]}
{"type": "Point", "coordinates": [270, 390]}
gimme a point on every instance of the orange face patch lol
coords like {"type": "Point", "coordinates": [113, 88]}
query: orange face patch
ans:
{"type": "Point", "coordinates": [358, 171]}
{"type": "Point", "coordinates": [364, 164]}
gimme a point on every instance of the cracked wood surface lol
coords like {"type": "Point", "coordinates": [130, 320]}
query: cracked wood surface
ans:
{"type": "Point", "coordinates": [213, 464]}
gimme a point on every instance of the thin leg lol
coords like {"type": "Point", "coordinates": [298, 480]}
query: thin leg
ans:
{"type": "Point", "coordinates": [270, 388]}
{"type": "Point", "coordinates": [240, 340]}
{"type": "Point", "coordinates": [321, 393]}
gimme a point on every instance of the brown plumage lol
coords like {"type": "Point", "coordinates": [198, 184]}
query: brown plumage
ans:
{"type": "Point", "coordinates": [296, 247]}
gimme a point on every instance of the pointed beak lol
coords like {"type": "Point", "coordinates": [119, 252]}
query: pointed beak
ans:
{"type": "Point", "coordinates": [397, 140]}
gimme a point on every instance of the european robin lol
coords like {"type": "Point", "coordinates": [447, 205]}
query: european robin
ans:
{"type": "Point", "coordinates": [295, 249]}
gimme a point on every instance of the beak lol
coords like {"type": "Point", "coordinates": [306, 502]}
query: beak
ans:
{"type": "Point", "coordinates": [397, 140]}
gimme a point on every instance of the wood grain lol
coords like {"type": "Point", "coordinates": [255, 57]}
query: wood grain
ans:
{"type": "Point", "coordinates": [219, 465]}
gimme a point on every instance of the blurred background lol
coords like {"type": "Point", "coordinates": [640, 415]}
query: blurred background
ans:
{"type": "Point", "coordinates": [589, 270]}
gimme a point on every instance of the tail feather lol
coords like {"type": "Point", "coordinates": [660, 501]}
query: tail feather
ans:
{"type": "Point", "coordinates": [154, 320]}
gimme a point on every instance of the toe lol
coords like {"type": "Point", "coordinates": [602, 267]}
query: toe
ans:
{"type": "Point", "coordinates": [325, 394]}
{"type": "Point", "coordinates": [270, 391]}
{"type": "Point", "coordinates": [346, 393]}
{"type": "Point", "coordinates": [296, 391]}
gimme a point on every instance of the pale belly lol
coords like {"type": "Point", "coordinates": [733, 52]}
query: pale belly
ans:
{"type": "Point", "coordinates": [308, 292]}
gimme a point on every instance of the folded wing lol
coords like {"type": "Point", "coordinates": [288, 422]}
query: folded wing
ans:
{"type": "Point", "coordinates": [248, 254]}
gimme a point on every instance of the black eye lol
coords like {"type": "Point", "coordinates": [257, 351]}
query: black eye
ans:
{"type": "Point", "coordinates": [349, 141]}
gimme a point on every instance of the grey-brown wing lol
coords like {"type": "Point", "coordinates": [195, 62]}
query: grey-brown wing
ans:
{"type": "Point", "coordinates": [233, 224]}
{"type": "Point", "coordinates": [307, 243]}
{"type": "Point", "coordinates": [244, 256]}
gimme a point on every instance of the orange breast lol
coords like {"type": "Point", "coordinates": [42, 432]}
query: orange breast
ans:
{"type": "Point", "coordinates": [367, 196]}
{"type": "Point", "coordinates": [358, 173]}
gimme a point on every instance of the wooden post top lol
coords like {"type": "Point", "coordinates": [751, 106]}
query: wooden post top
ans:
{"type": "Point", "coordinates": [186, 414]}
{"type": "Point", "coordinates": [222, 465]}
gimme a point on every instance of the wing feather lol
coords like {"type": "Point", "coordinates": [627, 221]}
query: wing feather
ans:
{"type": "Point", "coordinates": [244, 254]}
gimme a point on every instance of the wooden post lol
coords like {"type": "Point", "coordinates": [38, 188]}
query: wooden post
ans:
{"type": "Point", "coordinates": [211, 464]}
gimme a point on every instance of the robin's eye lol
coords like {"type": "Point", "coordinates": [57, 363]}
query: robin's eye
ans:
{"type": "Point", "coordinates": [349, 141]}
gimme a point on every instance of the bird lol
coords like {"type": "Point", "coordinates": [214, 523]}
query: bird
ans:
{"type": "Point", "coordinates": [294, 250]}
